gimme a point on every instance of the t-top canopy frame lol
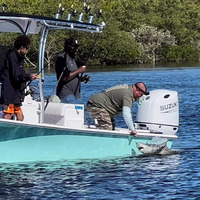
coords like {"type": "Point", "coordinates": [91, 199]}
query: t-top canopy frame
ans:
{"type": "Point", "coordinates": [32, 24]}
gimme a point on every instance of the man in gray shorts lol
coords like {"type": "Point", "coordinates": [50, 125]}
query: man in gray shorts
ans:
{"type": "Point", "coordinates": [103, 106]}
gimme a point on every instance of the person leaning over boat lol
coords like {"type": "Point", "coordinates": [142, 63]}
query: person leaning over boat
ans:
{"type": "Point", "coordinates": [14, 79]}
{"type": "Point", "coordinates": [68, 73]}
{"type": "Point", "coordinates": [103, 106]}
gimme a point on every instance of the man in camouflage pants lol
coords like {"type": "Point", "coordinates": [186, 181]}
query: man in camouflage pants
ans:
{"type": "Point", "coordinates": [103, 106]}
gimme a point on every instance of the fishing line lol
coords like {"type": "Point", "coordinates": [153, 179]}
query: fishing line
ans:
{"type": "Point", "coordinates": [93, 45]}
{"type": "Point", "coordinates": [89, 55]}
{"type": "Point", "coordinates": [27, 59]}
{"type": "Point", "coordinates": [51, 96]}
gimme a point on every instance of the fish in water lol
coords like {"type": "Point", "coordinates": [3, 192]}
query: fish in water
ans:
{"type": "Point", "coordinates": [148, 149]}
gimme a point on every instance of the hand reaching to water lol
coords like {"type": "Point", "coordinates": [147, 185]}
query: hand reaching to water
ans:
{"type": "Point", "coordinates": [134, 133]}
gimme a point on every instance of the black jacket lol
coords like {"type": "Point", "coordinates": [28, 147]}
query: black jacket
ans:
{"type": "Point", "coordinates": [14, 78]}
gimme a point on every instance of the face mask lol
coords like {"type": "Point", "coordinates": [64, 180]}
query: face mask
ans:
{"type": "Point", "coordinates": [72, 50]}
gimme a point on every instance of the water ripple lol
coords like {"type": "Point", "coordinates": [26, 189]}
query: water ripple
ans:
{"type": "Point", "coordinates": [153, 177]}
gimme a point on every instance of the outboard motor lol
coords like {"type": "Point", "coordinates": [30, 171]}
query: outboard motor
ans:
{"type": "Point", "coordinates": [159, 112]}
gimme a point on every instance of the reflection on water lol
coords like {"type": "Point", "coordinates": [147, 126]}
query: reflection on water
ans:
{"type": "Point", "coordinates": [152, 177]}
{"type": "Point", "coordinates": [91, 178]}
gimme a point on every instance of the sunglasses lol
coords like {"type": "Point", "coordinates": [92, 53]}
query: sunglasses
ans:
{"type": "Point", "coordinates": [141, 90]}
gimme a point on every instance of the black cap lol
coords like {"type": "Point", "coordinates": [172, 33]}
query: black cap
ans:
{"type": "Point", "coordinates": [71, 42]}
{"type": "Point", "coordinates": [141, 90]}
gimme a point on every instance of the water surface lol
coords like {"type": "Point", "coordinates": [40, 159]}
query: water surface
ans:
{"type": "Point", "coordinates": [153, 177]}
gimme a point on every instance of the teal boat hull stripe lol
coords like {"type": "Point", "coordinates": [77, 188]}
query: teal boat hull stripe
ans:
{"type": "Point", "coordinates": [18, 131]}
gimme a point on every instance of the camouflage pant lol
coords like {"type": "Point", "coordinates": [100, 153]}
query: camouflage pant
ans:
{"type": "Point", "coordinates": [101, 118]}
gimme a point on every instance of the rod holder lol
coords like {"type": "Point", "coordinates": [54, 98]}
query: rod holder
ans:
{"type": "Point", "coordinates": [69, 16]}
{"type": "Point", "coordinates": [57, 15]}
{"type": "Point", "coordinates": [90, 19]}
{"type": "Point", "coordinates": [80, 17]}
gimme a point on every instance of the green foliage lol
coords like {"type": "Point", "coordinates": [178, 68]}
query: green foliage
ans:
{"type": "Point", "coordinates": [183, 53]}
{"type": "Point", "coordinates": [117, 46]}
{"type": "Point", "coordinates": [136, 31]}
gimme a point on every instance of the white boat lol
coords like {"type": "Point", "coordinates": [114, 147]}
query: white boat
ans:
{"type": "Point", "coordinates": [59, 131]}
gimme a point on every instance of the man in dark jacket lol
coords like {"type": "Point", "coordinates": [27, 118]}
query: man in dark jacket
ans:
{"type": "Point", "coordinates": [68, 73]}
{"type": "Point", "coordinates": [14, 79]}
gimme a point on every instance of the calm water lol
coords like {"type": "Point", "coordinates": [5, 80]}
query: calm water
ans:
{"type": "Point", "coordinates": [154, 177]}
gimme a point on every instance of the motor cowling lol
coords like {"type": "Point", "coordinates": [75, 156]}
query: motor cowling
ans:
{"type": "Point", "coordinates": [159, 112]}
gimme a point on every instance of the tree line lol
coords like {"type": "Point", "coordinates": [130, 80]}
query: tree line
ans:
{"type": "Point", "coordinates": [147, 31]}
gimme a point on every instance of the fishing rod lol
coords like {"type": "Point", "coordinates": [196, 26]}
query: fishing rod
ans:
{"type": "Point", "coordinates": [87, 9]}
{"type": "Point", "coordinates": [52, 97]}
{"type": "Point", "coordinates": [36, 75]}
{"type": "Point", "coordinates": [86, 78]}
{"type": "Point", "coordinates": [26, 59]}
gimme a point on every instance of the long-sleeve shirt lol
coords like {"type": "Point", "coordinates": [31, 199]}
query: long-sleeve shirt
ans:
{"type": "Point", "coordinates": [14, 78]}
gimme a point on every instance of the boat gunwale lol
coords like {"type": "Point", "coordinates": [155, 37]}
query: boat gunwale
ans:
{"type": "Point", "coordinates": [119, 132]}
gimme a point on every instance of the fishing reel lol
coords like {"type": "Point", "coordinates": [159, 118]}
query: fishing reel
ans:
{"type": "Point", "coordinates": [85, 78]}
{"type": "Point", "coordinates": [33, 91]}
{"type": "Point", "coordinates": [30, 91]}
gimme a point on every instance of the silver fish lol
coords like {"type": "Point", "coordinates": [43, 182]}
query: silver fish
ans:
{"type": "Point", "coordinates": [152, 148]}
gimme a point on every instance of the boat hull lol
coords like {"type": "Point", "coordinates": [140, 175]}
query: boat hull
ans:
{"type": "Point", "coordinates": [20, 142]}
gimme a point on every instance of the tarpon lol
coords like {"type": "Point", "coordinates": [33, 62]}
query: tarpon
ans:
{"type": "Point", "coordinates": [147, 149]}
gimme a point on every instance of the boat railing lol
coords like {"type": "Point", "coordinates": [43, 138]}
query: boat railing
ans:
{"type": "Point", "coordinates": [31, 24]}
